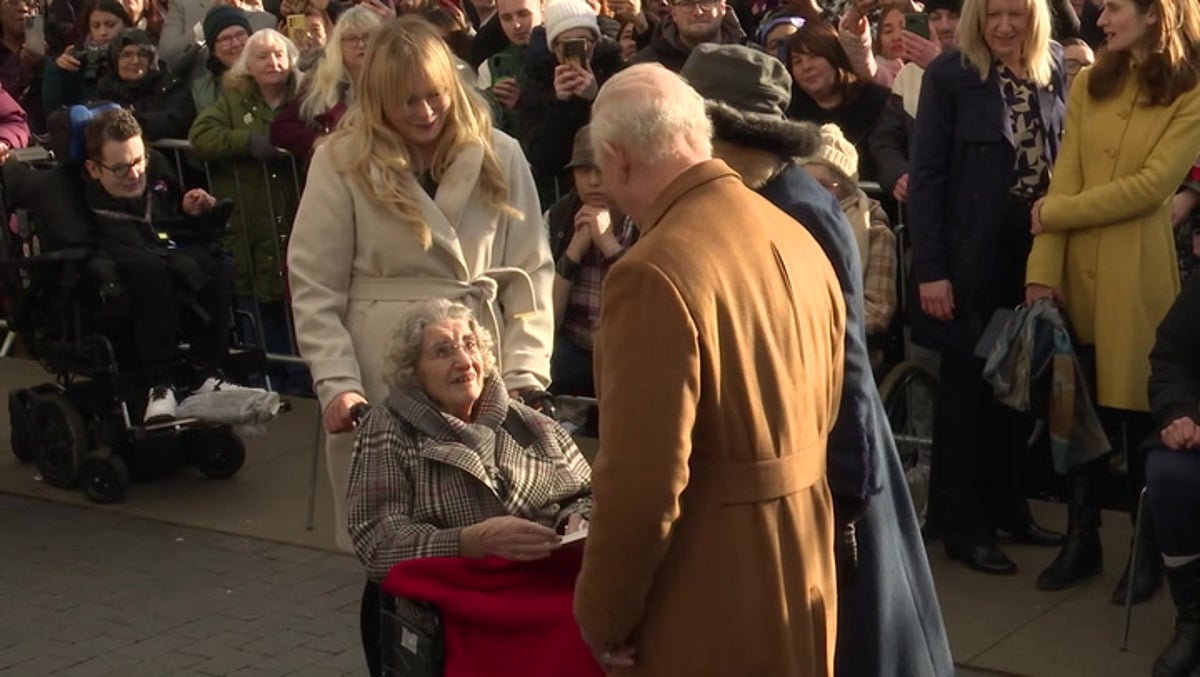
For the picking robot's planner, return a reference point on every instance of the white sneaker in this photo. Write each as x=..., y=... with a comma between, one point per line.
x=161, y=405
x=216, y=384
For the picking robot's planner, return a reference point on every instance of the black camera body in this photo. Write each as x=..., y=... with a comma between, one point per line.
x=93, y=60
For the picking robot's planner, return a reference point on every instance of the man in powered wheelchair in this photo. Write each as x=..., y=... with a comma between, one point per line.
x=118, y=264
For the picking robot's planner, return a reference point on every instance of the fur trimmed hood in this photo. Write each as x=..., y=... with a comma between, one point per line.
x=788, y=138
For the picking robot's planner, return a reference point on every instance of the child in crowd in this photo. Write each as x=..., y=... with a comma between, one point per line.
x=835, y=166
x=586, y=237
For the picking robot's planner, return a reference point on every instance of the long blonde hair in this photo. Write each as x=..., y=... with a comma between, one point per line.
x=1036, y=56
x=378, y=158
x=239, y=78
x=323, y=89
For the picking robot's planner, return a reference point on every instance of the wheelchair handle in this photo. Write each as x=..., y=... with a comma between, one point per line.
x=358, y=412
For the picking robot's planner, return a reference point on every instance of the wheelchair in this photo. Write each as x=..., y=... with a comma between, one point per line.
x=78, y=429
x=907, y=385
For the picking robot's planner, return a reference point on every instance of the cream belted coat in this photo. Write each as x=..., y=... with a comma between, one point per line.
x=355, y=269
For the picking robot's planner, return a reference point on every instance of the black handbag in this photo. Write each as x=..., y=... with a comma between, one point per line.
x=411, y=639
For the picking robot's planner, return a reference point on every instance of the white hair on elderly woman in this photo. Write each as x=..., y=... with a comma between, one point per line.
x=409, y=338
x=649, y=119
x=239, y=76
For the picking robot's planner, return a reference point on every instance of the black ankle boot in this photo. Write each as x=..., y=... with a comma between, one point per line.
x=1182, y=655
x=1149, y=575
x=1080, y=557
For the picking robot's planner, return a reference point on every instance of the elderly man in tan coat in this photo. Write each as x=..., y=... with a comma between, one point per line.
x=718, y=367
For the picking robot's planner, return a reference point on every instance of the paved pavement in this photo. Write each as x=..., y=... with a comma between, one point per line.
x=86, y=592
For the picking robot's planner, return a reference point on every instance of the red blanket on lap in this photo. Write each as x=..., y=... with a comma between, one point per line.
x=502, y=618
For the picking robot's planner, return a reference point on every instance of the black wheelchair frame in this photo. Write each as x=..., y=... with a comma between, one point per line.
x=78, y=429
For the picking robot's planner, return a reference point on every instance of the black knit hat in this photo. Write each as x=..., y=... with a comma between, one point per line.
x=932, y=6
x=221, y=17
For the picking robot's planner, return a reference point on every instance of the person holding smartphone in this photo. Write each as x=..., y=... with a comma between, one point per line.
x=562, y=77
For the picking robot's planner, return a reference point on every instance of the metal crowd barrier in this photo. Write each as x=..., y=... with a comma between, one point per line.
x=279, y=214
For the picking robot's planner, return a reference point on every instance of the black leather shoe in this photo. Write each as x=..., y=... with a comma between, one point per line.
x=986, y=558
x=1032, y=533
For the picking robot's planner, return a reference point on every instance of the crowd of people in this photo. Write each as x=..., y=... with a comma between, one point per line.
x=449, y=208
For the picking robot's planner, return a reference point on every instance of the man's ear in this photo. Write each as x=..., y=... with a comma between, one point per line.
x=621, y=165
x=93, y=169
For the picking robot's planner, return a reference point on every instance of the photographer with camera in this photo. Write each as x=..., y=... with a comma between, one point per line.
x=71, y=78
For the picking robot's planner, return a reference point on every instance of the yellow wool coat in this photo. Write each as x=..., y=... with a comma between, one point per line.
x=1107, y=216
x=719, y=368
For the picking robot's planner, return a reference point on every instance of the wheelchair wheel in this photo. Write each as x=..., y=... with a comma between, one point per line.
x=104, y=476
x=216, y=452
x=61, y=439
x=910, y=398
x=19, y=424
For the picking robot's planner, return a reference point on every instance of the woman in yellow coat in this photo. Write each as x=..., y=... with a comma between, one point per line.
x=1103, y=244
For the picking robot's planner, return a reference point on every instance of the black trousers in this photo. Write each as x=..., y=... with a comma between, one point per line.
x=159, y=309
x=370, y=627
x=979, y=445
x=1173, y=497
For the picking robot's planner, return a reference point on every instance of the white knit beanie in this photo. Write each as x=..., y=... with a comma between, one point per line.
x=563, y=15
x=836, y=153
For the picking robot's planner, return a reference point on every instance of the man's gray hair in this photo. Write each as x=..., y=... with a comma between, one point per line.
x=409, y=339
x=633, y=113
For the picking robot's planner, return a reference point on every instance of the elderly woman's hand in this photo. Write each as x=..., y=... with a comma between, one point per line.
x=509, y=537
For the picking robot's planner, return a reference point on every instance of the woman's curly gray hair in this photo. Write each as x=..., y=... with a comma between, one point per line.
x=409, y=338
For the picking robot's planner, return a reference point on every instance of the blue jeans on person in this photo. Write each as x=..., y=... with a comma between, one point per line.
x=571, y=369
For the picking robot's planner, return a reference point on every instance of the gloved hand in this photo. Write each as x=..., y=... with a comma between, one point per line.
x=262, y=149
x=845, y=554
x=847, y=511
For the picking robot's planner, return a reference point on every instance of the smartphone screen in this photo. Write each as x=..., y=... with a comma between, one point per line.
x=502, y=67
x=917, y=23
x=297, y=28
x=575, y=52
x=35, y=35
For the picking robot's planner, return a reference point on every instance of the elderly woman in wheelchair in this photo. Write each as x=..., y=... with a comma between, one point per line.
x=451, y=466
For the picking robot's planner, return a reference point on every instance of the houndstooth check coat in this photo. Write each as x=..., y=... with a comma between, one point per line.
x=419, y=476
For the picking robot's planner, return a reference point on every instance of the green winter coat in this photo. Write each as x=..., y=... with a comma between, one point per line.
x=265, y=192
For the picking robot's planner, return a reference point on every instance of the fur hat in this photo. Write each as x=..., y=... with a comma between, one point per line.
x=836, y=152
x=563, y=15
x=221, y=17
x=747, y=93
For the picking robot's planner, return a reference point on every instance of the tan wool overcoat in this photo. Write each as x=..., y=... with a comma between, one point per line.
x=719, y=367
